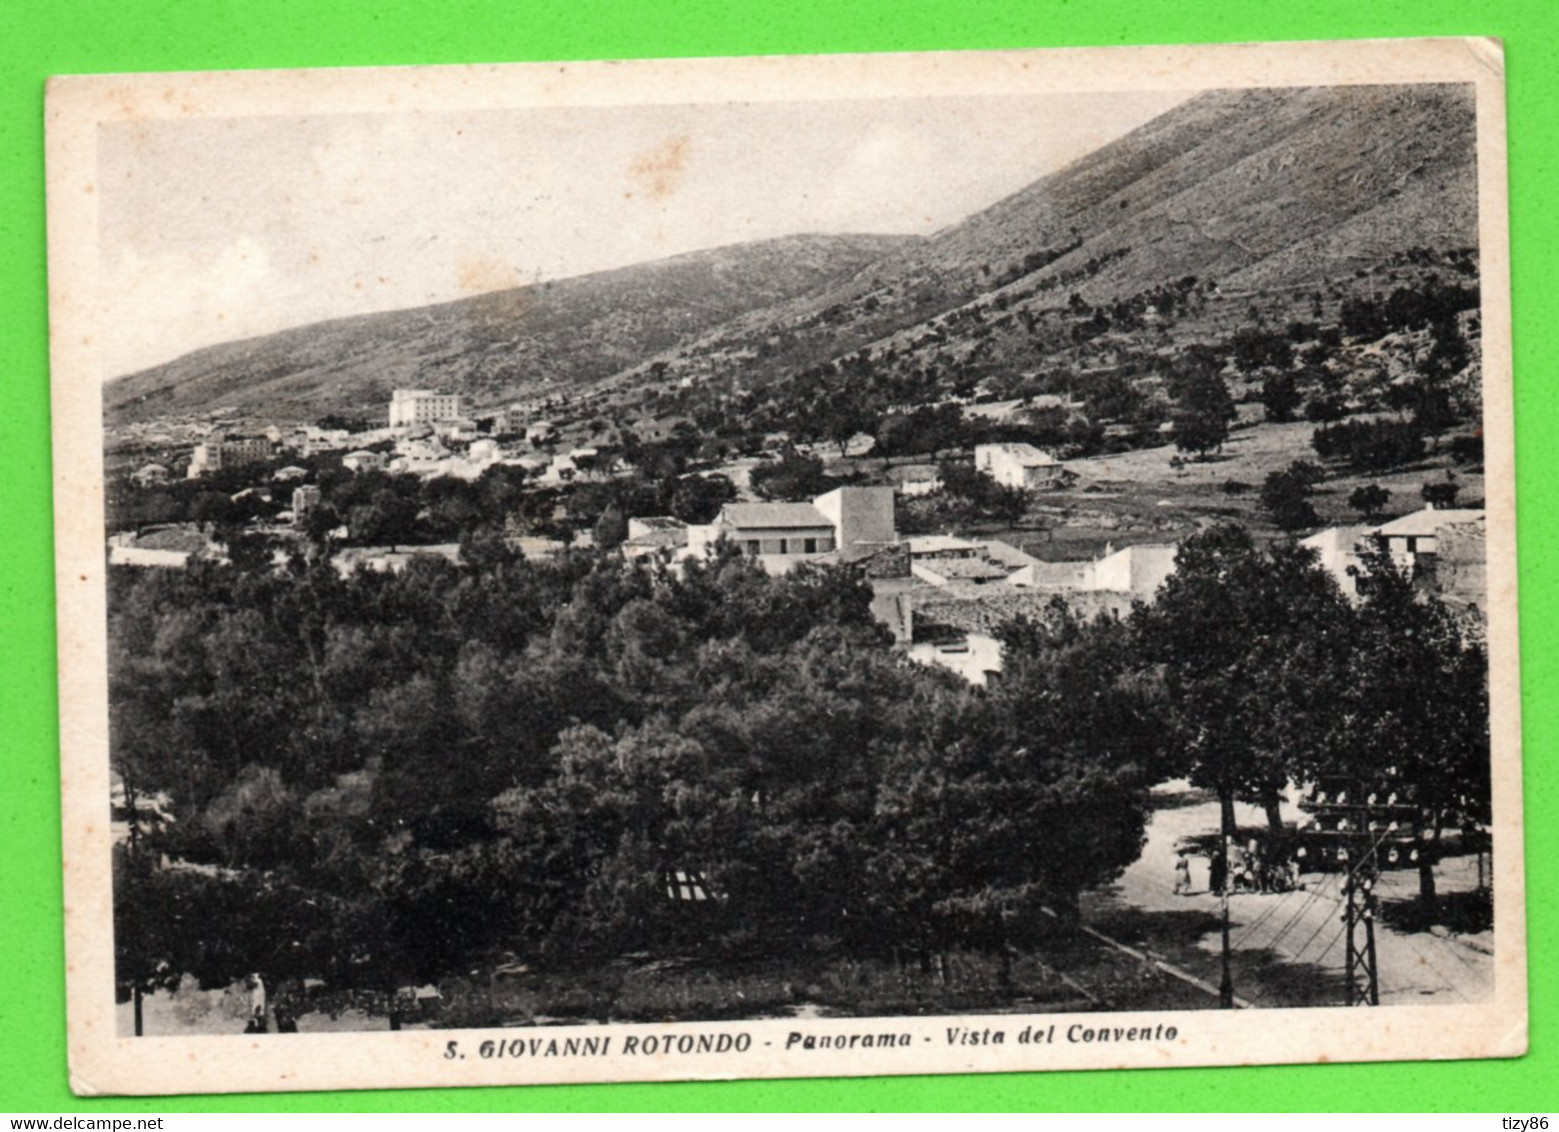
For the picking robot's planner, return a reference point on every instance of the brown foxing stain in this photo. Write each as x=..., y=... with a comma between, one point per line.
x=479, y=275
x=657, y=172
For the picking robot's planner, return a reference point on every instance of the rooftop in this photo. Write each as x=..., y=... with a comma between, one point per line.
x=1025, y=454
x=1428, y=521
x=941, y=544
x=761, y=515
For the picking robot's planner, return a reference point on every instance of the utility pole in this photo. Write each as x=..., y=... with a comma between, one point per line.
x=1361, y=972
x=1355, y=824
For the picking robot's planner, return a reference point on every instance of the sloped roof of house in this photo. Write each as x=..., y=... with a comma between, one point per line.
x=1428, y=521
x=768, y=515
x=661, y=522
x=1025, y=454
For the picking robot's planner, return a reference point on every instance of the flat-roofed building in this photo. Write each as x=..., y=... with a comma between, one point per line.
x=228, y=452
x=424, y=406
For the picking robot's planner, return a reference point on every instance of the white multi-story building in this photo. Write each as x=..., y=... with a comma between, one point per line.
x=218, y=453
x=424, y=406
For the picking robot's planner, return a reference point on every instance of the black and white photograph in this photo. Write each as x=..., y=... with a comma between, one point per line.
x=786, y=567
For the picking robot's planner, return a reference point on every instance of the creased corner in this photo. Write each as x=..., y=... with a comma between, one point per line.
x=1489, y=52
x=1516, y=1041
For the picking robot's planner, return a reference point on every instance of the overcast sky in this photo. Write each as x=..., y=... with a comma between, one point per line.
x=218, y=229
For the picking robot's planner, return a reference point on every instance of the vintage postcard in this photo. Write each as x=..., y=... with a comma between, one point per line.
x=786, y=566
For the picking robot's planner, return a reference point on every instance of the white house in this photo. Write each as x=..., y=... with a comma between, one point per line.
x=782, y=534
x=1136, y=570
x=1017, y=465
x=1414, y=536
x=1337, y=552
x=484, y=451
x=363, y=461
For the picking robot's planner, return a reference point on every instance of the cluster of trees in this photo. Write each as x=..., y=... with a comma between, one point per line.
x=966, y=497
x=380, y=779
x=1271, y=676
x=383, y=779
x=1370, y=445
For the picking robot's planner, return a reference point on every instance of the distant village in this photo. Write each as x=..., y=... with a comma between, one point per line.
x=942, y=595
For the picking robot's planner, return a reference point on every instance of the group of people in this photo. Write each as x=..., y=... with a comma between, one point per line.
x=1243, y=868
x=256, y=1019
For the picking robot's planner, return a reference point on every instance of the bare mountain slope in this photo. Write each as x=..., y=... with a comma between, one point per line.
x=1259, y=190
x=505, y=344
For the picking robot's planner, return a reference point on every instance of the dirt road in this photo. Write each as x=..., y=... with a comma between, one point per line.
x=1288, y=948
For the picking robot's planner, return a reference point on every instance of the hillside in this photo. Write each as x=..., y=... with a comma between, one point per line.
x=511, y=343
x=1278, y=203
x=1270, y=193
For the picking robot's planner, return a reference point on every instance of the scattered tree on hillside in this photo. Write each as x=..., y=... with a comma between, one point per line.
x=1280, y=396
x=1443, y=493
x=1369, y=501
x=610, y=529
x=1202, y=414
x=792, y=476
x=1285, y=497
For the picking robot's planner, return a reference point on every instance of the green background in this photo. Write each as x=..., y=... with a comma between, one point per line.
x=40, y=38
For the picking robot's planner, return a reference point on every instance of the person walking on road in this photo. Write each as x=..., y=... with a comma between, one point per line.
x=1182, y=875
x=256, y=1023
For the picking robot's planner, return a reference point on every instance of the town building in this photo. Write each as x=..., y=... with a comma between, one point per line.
x=363, y=461
x=150, y=475
x=1442, y=550
x=511, y=420
x=483, y=451
x=304, y=500
x=423, y=406
x=1337, y=552
x=650, y=535
x=228, y=452
x=456, y=428
x=1413, y=540
x=1135, y=570
x=782, y=534
x=1018, y=465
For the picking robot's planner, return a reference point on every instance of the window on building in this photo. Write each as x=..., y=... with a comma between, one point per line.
x=809, y=546
x=753, y=546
